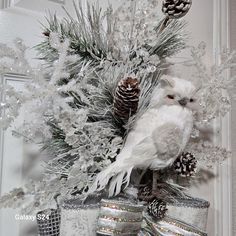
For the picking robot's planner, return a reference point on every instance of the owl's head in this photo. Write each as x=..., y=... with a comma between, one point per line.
x=175, y=91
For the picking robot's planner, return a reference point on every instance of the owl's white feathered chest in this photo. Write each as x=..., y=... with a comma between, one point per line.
x=153, y=118
x=165, y=114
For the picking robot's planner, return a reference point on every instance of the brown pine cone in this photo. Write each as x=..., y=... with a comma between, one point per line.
x=126, y=98
x=176, y=9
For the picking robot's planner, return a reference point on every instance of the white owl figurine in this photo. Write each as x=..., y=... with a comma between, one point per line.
x=157, y=137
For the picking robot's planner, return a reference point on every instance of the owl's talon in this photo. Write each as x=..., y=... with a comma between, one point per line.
x=147, y=198
x=155, y=194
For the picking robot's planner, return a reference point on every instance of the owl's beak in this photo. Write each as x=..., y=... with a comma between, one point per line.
x=183, y=102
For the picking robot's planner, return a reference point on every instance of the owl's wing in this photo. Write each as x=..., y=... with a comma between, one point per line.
x=142, y=152
x=168, y=140
x=161, y=147
x=155, y=151
x=141, y=156
x=119, y=171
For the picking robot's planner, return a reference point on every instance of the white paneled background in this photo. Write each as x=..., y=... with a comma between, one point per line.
x=232, y=12
x=11, y=156
x=207, y=21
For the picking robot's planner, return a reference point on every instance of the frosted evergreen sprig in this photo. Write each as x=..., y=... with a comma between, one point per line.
x=73, y=105
x=88, y=38
x=92, y=41
x=170, y=41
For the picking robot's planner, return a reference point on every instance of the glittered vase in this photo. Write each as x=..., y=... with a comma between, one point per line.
x=119, y=217
x=78, y=219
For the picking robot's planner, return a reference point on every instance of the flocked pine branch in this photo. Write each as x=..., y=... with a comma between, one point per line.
x=75, y=105
x=88, y=38
x=98, y=36
x=138, y=26
x=169, y=41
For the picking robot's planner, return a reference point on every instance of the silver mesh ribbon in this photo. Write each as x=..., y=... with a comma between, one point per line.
x=48, y=222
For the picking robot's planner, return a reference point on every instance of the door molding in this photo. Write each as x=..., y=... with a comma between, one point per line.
x=8, y=178
x=223, y=183
x=5, y=78
x=5, y=3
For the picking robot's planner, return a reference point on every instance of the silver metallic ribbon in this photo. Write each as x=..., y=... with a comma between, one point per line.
x=185, y=217
x=168, y=227
x=119, y=217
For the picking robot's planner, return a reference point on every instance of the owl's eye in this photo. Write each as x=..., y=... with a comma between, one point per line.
x=192, y=100
x=171, y=96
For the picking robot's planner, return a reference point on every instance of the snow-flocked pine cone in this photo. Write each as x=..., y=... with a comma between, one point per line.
x=157, y=209
x=126, y=98
x=185, y=165
x=176, y=9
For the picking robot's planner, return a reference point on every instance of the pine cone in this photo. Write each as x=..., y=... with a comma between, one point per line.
x=157, y=209
x=185, y=165
x=126, y=98
x=176, y=9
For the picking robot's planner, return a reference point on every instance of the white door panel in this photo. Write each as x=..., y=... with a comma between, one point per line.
x=11, y=162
